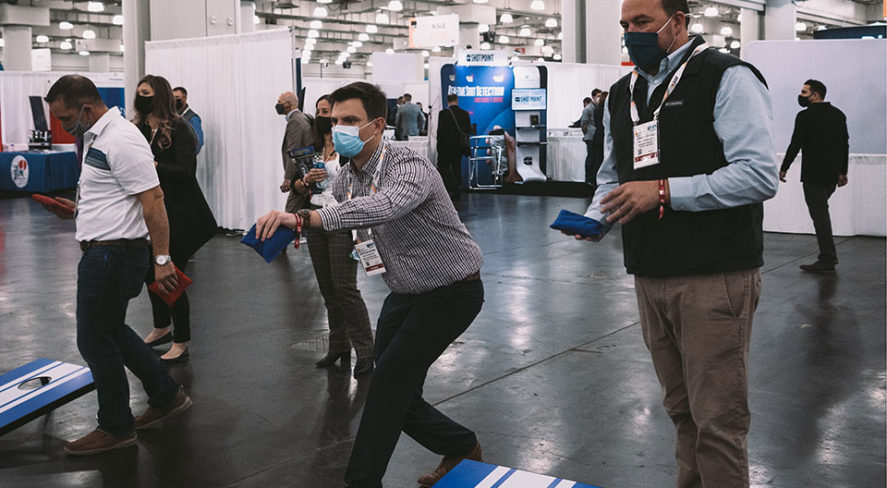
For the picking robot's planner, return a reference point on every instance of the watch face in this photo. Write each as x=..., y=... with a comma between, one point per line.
x=161, y=260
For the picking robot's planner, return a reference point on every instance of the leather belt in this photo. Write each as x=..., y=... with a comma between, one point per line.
x=84, y=245
x=472, y=277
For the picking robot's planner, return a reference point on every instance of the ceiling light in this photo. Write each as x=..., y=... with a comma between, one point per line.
x=735, y=45
x=425, y=65
x=697, y=28
x=539, y=42
x=506, y=18
x=503, y=39
x=485, y=45
x=66, y=45
x=313, y=33
x=389, y=51
x=711, y=12
x=395, y=6
x=324, y=1
x=345, y=54
x=800, y=27
x=95, y=6
x=525, y=32
x=797, y=38
x=320, y=12
x=357, y=44
x=370, y=64
x=352, y=49
x=42, y=39
x=560, y=36
x=310, y=41
x=89, y=34
x=256, y=20
x=540, y=60
x=726, y=31
x=537, y=5
x=121, y=47
x=557, y=57
x=435, y=49
x=821, y=28
x=117, y=20
x=724, y=50
x=551, y=23
x=425, y=54
x=382, y=18
x=84, y=53
x=66, y=25
x=372, y=29
x=316, y=24
x=483, y=28
x=363, y=37
x=339, y=61
x=481, y=1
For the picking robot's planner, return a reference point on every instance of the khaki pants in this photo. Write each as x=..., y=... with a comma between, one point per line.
x=697, y=329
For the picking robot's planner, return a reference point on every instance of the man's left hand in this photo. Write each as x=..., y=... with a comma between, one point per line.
x=842, y=180
x=631, y=199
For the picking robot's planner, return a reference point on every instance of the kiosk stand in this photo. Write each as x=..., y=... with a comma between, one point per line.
x=529, y=105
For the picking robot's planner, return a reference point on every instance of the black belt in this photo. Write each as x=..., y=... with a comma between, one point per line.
x=84, y=245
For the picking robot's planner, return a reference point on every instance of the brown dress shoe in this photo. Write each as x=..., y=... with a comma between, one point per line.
x=98, y=441
x=448, y=463
x=153, y=417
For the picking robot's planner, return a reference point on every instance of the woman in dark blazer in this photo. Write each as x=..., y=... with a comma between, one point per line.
x=191, y=223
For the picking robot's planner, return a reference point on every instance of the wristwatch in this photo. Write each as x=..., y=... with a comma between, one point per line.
x=162, y=259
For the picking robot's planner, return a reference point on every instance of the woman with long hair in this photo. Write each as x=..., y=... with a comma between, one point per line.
x=191, y=223
x=330, y=252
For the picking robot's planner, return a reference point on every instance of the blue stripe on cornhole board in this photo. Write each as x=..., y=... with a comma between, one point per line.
x=504, y=478
x=43, y=403
x=25, y=370
x=466, y=475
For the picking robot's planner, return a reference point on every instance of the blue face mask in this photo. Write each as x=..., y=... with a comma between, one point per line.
x=643, y=48
x=78, y=128
x=346, y=140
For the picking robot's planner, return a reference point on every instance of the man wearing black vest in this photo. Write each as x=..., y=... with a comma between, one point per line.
x=689, y=161
x=821, y=134
x=451, y=123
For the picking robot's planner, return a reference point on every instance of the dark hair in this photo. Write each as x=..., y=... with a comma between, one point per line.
x=595, y=92
x=602, y=99
x=181, y=89
x=673, y=6
x=371, y=96
x=164, y=108
x=816, y=86
x=74, y=91
x=586, y=100
x=452, y=97
x=407, y=97
x=318, y=137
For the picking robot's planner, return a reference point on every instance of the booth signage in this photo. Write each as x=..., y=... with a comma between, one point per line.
x=435, y=30
x=19, y=171
x=528, y=99
x=483, y=58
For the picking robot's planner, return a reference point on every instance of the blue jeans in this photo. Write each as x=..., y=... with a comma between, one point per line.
x=107, y=278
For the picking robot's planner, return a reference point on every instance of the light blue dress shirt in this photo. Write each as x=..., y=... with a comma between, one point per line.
x=743, y=121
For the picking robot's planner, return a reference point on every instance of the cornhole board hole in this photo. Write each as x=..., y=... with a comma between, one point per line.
x=38, y=388
x=472, y=474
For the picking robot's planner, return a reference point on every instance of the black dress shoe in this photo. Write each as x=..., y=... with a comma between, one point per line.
x=819, y=267
x=331, y=358
x=162, y=340
x=363, y=366
x=178, y=359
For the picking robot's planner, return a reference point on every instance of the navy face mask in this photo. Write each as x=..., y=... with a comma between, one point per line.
x=643, y=48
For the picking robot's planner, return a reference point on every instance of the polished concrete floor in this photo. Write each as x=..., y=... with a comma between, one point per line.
x=553, y=375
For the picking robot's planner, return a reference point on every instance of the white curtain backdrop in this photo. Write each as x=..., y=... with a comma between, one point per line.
x=15, y=109
x=569, y=83
x=233, y=83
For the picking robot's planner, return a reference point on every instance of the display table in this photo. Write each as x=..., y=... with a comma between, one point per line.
x=859, y=208
x=38, y=171
x=566, y=155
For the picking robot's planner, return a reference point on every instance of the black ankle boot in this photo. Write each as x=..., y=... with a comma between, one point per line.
x=363, y=366
x=331, y=358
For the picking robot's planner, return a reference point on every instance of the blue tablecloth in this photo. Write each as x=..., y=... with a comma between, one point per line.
x=38, y=171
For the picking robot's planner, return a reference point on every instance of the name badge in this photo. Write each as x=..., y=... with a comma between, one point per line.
x=646, y=144
x=369, y=257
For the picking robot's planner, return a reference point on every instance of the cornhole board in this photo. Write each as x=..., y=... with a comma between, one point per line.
x=22, y=400
x=472, y=474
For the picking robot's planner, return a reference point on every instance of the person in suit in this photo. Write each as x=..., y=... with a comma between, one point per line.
x=451, y=123
x=190, y=116
x=409, y=118
x=298, y=134
x=597, y=142
x=191, y=222
x=423, y=131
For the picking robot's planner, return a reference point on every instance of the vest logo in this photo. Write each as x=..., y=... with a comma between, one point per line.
x=674, y=103
x=19, y=171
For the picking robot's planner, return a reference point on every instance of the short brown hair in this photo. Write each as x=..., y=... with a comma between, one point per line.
x=74, y=91
x=452, y=97
x=371, y=96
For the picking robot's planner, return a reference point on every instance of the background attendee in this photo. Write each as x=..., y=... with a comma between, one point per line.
x=578, y=122
x=588, y=130
x=409, y=118
x=597, y=142
x=452, y=122
x=298, y=134
x=821, y=136
x=184, y=110
x=119, y=205
x=397, y=200
x=334, y=268
x=691, y=223
x=423, y=131
x=191, y=222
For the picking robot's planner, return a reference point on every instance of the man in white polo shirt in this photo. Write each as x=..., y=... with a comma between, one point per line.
x=119, y=204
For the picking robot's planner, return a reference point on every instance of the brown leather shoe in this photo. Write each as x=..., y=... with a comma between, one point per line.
x=98, y=441
x=448, y=463
x=153, y=417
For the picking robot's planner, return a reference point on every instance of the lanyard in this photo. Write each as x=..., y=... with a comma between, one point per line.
x=671, y=86
x=374, y=186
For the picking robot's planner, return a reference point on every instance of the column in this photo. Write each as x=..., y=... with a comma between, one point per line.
x=603, y=34
x=779, y=20
x=749, y=28
x=17, y=48
x=247, y=12
x=573, y=43
x=136, y=30
x=469, y=35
